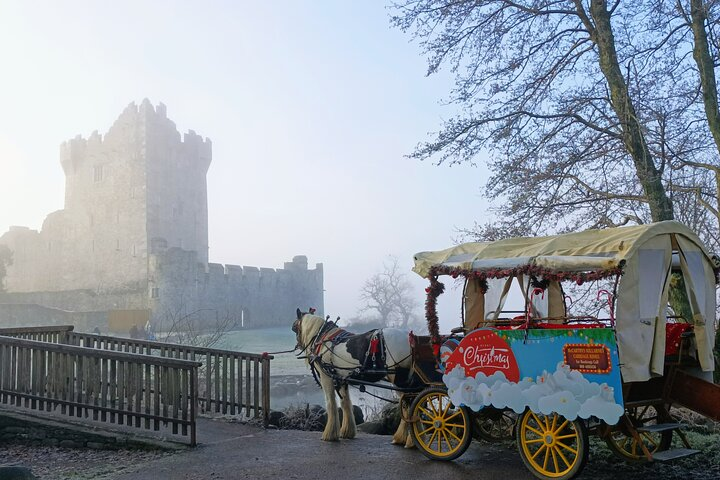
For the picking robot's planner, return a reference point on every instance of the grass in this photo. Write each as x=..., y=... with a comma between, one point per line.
x=603, y=464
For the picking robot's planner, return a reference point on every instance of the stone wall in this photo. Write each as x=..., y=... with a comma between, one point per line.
x=250, y=297
x=24, y=314
x=133, y=234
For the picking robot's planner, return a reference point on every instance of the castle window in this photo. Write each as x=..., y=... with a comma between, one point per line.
x=97, y=173
x=155, y=292
x=117, y=244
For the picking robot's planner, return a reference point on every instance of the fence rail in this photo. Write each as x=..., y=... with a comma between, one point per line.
x=229, y=382
x=101, y=385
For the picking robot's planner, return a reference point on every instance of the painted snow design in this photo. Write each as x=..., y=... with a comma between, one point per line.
x=564, y=391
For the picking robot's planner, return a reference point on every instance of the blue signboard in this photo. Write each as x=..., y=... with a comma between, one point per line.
x=570, y=371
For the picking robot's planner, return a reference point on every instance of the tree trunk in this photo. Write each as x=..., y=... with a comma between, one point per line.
x=706, y=71
x=633, y=138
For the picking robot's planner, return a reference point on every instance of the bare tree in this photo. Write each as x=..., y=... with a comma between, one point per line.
x=198, y=328
x=549, y=90
x=388, y=295
x=595, y=113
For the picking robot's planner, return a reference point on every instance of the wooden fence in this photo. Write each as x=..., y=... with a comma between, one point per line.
x=229, y=382
x=100, y=385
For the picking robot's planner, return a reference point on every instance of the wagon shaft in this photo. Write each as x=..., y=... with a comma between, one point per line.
x=696, y=394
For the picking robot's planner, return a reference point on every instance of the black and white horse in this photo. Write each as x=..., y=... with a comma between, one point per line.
x=337, y=356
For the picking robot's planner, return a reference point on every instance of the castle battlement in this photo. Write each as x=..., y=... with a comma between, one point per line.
x=135, y=222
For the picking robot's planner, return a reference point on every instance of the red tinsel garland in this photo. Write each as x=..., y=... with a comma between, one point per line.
x=436, y=288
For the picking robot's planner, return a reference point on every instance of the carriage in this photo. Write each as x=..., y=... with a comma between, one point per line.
x=549, y=375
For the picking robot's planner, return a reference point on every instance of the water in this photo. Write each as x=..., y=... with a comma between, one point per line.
x=291, y=381
x=268, y=340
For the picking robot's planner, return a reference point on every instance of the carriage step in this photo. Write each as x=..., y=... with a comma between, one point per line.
x=673, y=454
x=660, y=427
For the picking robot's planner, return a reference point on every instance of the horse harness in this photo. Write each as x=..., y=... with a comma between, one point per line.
x=330, y=336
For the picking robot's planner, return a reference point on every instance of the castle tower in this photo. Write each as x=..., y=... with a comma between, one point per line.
x=138, y=190
x=133, y=237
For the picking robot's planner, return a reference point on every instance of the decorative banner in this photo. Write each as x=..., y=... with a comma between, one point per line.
x=587, y=358
x=573, y=372
x=484, y=351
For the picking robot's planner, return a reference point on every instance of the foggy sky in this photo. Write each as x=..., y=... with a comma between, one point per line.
x=311, y=107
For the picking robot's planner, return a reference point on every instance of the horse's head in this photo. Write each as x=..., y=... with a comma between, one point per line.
x=306, y=327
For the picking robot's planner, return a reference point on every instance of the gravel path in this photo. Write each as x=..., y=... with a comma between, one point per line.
x=56, y=463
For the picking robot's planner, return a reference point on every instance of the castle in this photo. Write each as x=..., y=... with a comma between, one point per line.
x=132, y=241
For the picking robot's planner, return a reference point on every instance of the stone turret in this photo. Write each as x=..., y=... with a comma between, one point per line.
x=133, y=233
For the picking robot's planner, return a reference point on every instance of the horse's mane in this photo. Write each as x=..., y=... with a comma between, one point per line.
x=310, y=326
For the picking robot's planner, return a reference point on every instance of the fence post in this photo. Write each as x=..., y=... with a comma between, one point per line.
x=193, y=405
x=266, y=390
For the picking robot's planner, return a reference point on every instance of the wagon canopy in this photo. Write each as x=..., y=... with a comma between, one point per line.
x=646, y=254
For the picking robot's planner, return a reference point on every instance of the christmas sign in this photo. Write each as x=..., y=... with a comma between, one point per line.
x=483, y=351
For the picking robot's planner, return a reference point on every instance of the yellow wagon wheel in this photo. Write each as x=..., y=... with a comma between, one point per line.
x=441, y=430
x=623, y=444
x=551, y=446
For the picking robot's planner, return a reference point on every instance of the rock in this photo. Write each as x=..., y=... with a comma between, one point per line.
x=357, y=413
x=71, y=444
x=374, y=428
x=16, y=473
x=390, y=418
x=274, y=417
x=359, y=417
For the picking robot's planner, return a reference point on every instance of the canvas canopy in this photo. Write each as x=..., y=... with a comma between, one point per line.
x=646, y=254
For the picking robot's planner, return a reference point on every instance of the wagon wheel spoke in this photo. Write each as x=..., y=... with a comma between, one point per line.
x=537, y=420
x=649, y=439
x=454, y=436
x=542, y=447
x=535, y=440
x=560, y=428
x=426, y=412
x=554, y=459
x=436, y=404
x=445, y=410
x=547, y=457
x=565, y=460
x=453, y=416
x=432, y=437
x=431, y=427
x=447, y=440
x=567, y=447
x=536, y=432
x=459, y=425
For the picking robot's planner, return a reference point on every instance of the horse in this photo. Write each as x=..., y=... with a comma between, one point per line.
x=337, y=356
